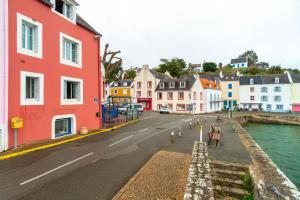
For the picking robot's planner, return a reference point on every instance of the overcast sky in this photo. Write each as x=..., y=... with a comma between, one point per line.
x=197, y=30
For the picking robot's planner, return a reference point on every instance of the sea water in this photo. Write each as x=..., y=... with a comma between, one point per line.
x=282, y=144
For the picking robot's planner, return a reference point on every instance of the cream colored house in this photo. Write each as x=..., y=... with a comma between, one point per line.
x=230, y=90
x=145, y=83
x=295, y=91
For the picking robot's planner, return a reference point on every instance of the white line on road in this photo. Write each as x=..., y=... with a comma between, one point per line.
x=145, y=129
x=146, y=117
x=57, y=168
x=120, y=141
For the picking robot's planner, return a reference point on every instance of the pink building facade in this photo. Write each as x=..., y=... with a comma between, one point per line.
x=53, y=81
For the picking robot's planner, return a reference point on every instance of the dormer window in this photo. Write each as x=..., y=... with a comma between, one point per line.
x=125, y=84
x=276, y=80
x=161, y=85
x=172, y=85
x=182, y=84
x=251, y=81
x=65, y=7
x=116, y=84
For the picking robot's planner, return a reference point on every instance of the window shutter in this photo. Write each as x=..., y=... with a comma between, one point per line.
x=65, y=89
x=35, y=39
x=36, y=87
x=77, y=90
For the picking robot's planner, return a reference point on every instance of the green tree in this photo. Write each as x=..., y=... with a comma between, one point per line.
x=175, y=66
x=228, y=69
x=275, y=70
x=130, y=73
x=251, y=55
x=254, y=71
x=210, y=67
x=295, y=71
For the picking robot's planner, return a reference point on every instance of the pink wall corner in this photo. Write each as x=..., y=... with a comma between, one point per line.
x=2, y=61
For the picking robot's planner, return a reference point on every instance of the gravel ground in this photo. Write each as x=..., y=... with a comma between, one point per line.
x=162, y=177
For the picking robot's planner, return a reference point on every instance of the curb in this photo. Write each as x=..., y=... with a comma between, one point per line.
x=17, y=154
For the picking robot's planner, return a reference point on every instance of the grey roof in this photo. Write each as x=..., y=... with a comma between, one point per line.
x=245, y=80
x=79, y=20
x=230, y=77
x=238, y=60
x=159, y=75
x=121, y=83
x=283, y=79
x=270, y=79
x=295, y=78
x=210, y=77
x=189, y=82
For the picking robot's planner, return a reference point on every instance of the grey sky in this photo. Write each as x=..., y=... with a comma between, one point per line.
x=197, y=30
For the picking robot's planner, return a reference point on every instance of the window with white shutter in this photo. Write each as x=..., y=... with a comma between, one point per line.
x=29, y=36
x=71, y=91
x=71, y=51
x=32, y=88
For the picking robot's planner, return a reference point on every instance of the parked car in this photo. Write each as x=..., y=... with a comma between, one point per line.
x=164, y=109
x=122, y=108
x=135, y=106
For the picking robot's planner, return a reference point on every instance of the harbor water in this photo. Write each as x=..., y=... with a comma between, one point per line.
x=282, y=144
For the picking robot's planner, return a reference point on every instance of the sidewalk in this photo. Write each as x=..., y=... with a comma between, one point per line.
x=162, y=177
x=45, y=144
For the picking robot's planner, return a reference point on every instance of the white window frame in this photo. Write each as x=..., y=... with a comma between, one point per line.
x=62, y=117
x=125, y=84
x=124, y=91
x=182, y=84
x=63, y=36
x=25, y=101
x=63, y=14
x=172, y=84
x=251, y=81
x=64, y=101
x=161, y=85
x=34, y=53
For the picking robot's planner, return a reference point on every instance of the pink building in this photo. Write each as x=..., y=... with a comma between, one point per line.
x=53, y=79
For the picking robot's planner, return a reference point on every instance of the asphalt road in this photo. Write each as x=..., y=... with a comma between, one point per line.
x=98, y=166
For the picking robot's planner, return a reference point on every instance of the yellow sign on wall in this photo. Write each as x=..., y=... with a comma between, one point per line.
x=17, y=122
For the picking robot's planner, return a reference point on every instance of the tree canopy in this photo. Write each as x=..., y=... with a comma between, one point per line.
x=209, y=67
x=275, y=70
x=251, y=55
x=130, y=73
x=175, y=66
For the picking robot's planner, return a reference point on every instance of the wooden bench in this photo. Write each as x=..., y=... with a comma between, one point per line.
x=214, y=134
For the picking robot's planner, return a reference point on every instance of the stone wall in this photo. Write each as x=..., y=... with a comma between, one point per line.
x=265, y=119
x=199, y=184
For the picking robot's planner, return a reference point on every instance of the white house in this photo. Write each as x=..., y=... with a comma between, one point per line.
x=182, y=95
x=145, y=83
x=267, y=93
x=239, y=62
x=190, y=95
x=212, y=95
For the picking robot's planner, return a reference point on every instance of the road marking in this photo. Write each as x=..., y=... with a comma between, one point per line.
x=57, y=168
x=120, y=141
x=146, y=117
x=145, y=129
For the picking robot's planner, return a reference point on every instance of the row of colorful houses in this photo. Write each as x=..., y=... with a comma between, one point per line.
x=50, y=75
x=207, y=93
x=190, y=94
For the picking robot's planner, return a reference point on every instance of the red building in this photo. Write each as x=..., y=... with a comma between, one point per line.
x=54, y=71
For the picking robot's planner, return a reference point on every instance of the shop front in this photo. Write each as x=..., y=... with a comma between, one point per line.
x=147, y=103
